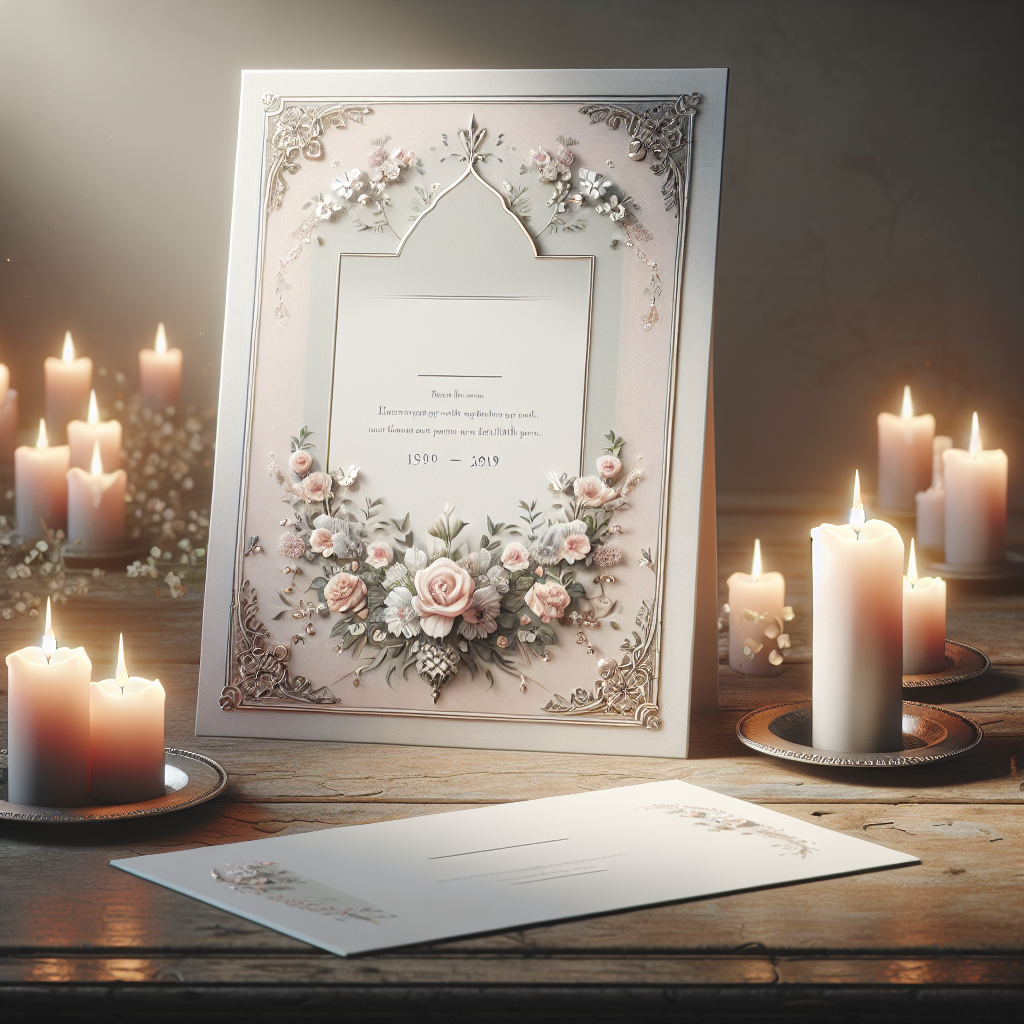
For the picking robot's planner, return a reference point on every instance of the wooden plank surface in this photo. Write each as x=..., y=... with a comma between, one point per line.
x=66, y=916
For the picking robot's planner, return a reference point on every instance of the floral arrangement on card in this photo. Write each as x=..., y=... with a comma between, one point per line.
x=446, y=605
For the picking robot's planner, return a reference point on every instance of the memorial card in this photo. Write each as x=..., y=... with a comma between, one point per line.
x=464, y=483
x=391, y=883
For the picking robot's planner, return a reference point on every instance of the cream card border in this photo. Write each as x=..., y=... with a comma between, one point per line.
x=686, y=531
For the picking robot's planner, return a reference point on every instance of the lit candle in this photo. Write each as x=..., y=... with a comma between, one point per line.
x=857, y=673
x=126, y=741
x=904, y=455
x=757, y=617
x=40, y=486
x=975, y=503
x=95, y=506
x=160, y=372
x=8, y=415
x=82, y=437
x=931, y=504
x=924, y=621
x=48, y=724
x=68, y=382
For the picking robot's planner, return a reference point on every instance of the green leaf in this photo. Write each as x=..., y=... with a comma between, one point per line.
x=339, y=628
x=614, y=624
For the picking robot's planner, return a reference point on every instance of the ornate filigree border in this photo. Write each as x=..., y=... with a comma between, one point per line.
x=297, y=132
x=665, y=132
x=626, y=688
x=261, y=678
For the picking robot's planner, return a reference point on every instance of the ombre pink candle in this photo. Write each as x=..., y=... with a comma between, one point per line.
x=160, y=372
x=68, y=383
x=96, y=519
x=48, y=724
x=82, y=435
x=41, y=486
x=904, y=455
x=126, y=738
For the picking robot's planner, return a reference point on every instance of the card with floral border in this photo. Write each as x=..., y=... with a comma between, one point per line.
x=464, y=481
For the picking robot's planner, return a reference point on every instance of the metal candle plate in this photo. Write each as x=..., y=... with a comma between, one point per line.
x=962, y=663
x=189, y=779
x=929, y=734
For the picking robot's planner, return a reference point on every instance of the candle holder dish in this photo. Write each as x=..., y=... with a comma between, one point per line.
x=114, y=556
x=189, y=779
x=929, y=734
x=962, y=663
x=1011, y=568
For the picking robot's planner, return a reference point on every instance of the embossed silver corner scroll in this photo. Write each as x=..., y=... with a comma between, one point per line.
x=296, y=133
x=260, y=677
x=660, y=130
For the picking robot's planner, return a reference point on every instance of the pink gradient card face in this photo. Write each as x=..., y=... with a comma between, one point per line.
x=461, y=454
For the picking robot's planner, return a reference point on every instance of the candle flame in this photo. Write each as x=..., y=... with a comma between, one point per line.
x=857, y=512
x=975, y=437
x=908, y=404
x=49, y=643
x=68, y=355
x=121, y=675
x=97, y=460
x=94, y=411
x=43, y=441
x=912, y=565
x=755, y=568
x=161, y=339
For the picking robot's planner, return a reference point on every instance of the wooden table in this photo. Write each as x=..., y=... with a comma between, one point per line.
x=945, y=938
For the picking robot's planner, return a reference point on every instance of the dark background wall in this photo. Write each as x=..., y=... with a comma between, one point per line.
x=871, y=214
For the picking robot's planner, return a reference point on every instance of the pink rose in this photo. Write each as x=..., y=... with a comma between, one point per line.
x=345, y=592
x=609, y=467
x=443, y=592
x=592, y=492
x=317, y=487
x=515, y=557
x=566, y=157
x=321, y=542
x=575, y=547
x=540, y=157
x=379, y=554
x=548, y=600
x=300, y=461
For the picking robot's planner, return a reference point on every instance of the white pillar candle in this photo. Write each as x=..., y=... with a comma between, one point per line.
x=857, y=673
x=975, y=503
x=931, y=504
x=83, y=435
x=924, y=621
x=160, y=372
x=126, y=740
x=95, y=506
x=41, y=486
x=8, y=416
x=757, y=617
x=48, y=724
x=68, y=382
x=904, y=455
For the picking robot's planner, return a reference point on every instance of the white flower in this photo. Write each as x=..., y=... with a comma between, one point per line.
x=349, y=184
x=593, y=185
x=612, y=207
x=399, y=614
x=174, y=582
x=348, y=478
x=397, y=575
x=560, y=483
x=415, y=559
x=480, y=618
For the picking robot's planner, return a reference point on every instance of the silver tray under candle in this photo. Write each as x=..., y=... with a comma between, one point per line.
x=1010, y=569
x=962, y=663
x=189, y=779
x=929, y=734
